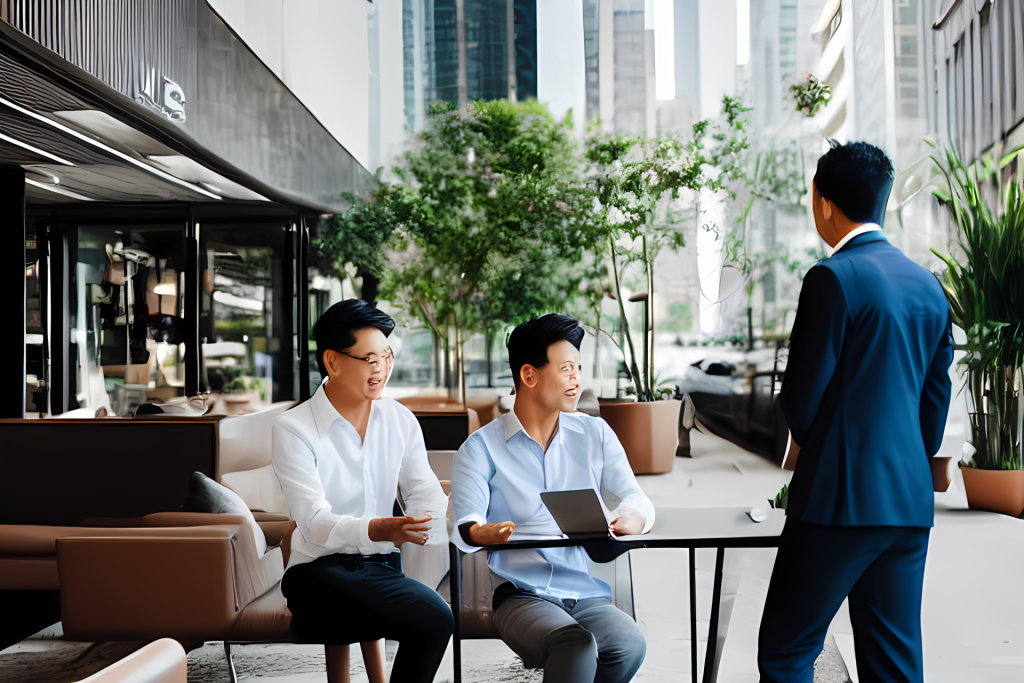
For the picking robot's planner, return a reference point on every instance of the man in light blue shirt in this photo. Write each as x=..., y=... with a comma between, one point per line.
x=548, y=609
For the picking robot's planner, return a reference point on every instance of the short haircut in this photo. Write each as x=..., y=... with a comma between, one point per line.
x=857, y=178
x=335, y=327
x=528, y=344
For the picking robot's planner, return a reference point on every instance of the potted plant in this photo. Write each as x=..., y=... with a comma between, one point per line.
x=645, y=189
x=986, y=296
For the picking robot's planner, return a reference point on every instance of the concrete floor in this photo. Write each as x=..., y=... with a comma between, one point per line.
x=972, y=614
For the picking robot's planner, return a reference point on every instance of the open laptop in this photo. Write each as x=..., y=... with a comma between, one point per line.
x=578, y=513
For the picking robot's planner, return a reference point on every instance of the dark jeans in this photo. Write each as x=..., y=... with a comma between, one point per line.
x=343, y=599
x=881, y=569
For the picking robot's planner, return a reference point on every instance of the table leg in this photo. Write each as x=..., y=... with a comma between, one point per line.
x=693, y=615
x=455, y=590
x=716, y=603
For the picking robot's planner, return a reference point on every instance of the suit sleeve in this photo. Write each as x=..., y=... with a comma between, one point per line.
x=937, y=391
x=817, y=339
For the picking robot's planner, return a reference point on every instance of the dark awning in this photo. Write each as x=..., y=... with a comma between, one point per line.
x=117, y=136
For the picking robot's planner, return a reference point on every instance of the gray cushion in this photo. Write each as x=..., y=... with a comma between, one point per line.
x=206, y=495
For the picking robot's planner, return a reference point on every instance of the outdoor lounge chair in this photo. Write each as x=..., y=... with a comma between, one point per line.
x=193, y=584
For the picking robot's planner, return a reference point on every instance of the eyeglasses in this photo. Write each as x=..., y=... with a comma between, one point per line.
x=373, y=359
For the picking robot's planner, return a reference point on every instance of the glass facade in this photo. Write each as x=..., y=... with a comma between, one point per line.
x=247, y=315
x=787, y=38
x=124, y=311
x=526, y=48
x=591, y=61
x=458, y=51
x=486, y=49
x=35, y=328
x=907, y=44
x=445, y=86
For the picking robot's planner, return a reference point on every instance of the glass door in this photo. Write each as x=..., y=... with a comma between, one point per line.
x=125, y=344
x=247, y=318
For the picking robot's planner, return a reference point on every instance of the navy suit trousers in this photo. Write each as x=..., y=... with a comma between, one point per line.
x=881, y=569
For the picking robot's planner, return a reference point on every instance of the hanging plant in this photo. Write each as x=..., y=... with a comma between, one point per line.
x=810, y=94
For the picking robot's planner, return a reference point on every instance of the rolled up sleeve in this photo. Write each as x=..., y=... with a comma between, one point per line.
x=619, y=480
x=295, y=466
x=472, y=470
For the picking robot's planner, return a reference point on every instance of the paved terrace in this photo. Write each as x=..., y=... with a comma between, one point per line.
x=973, y=602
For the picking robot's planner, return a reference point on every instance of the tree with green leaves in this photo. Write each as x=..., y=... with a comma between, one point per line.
x=645, y=191
x=487, y=223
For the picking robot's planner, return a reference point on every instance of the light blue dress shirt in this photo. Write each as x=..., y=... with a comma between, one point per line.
x=499, y=474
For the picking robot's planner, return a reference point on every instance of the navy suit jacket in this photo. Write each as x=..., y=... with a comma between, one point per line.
x=867, y=388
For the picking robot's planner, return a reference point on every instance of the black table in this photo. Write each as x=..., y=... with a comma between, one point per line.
x=692, y=528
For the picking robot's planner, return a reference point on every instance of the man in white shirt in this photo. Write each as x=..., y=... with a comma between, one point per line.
x=340, y=457
x=548, y=609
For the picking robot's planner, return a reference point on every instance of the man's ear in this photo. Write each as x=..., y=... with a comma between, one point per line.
x=826, y=209
x=528, y=376
x=332, y=361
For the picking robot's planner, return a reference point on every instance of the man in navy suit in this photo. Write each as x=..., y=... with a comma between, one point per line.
x=865, y=396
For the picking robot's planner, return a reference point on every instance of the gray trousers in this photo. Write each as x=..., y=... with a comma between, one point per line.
x=594, y=642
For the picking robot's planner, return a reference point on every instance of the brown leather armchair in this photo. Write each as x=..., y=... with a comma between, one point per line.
x=192, y=584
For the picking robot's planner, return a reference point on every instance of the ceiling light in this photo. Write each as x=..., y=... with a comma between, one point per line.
x=106, y=148
x=36, y=150
x=58, y=190
x=165, y=289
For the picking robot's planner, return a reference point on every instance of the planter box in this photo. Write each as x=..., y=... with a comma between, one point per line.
x=649, y=432
x=994, y=490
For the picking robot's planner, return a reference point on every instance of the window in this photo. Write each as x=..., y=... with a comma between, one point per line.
x=247, y=316
x=125, y=345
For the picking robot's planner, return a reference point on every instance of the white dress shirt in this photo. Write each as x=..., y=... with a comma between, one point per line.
x=336, y=482
x=499, y=474
x=856, y=232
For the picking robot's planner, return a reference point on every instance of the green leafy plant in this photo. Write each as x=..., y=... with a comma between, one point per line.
x=240, y=385
x=731, y=340
x=781, y=499
x=486, y=224
x=644, y=192
x=985, y=290
x=810, y=95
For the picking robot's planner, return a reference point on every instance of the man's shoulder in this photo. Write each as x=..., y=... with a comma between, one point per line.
x=865, y=264
x=477, y=441
x=582, y=423
x=298, y=418
x=397, y=411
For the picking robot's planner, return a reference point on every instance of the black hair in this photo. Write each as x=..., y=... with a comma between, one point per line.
x=335, y=327
x=857, y=178
x=528, y=344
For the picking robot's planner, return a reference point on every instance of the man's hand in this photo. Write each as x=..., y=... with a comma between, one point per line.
x=792, y=452
x=398, y=530
x=628, y=523
x=490, y=534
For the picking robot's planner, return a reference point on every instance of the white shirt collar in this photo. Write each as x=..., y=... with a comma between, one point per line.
x=324, y=412
x=510, y=425
x=856, y=232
